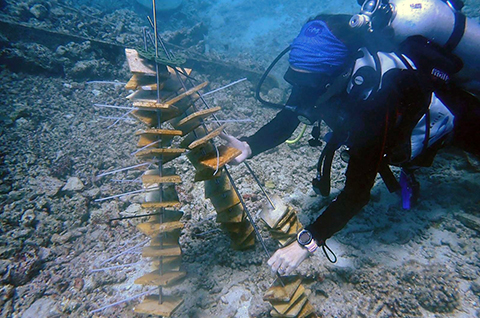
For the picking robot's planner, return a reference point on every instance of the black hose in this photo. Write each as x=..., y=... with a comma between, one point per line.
x=264, y=76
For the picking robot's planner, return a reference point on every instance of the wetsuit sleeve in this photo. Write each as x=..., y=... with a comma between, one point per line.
x=360, y=177
x=368, y=135
x=276, y=131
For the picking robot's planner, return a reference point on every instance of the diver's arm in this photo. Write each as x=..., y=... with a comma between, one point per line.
x=365, y=157
x=277, y=131
x=271, y=135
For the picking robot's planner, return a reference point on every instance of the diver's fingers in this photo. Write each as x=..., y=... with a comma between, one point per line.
x=287, y=259
x=289, y=270
x=240, y=145
x=274, y=262
x=228, y=138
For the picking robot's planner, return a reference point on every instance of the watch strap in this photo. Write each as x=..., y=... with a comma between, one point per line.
x=312, y=246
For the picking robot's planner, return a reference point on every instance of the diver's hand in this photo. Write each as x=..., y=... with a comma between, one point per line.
x=240, y=145
x=287, y=259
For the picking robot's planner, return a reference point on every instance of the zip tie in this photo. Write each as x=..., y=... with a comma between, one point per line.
x=124, y=252
x=123, y=169
x=96, y=270
x=124, y=301
x=144, y=147
x=127, y=180
x=229, y=121
x=298, y=137
x=114, y=106
x=126, y=193
x=223, y=87
x=120, y=118
x=127, y=120
x=105, y=82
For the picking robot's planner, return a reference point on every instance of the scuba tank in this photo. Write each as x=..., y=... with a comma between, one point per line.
x=438, y=21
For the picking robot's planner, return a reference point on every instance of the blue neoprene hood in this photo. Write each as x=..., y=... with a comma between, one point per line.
x=317, y=50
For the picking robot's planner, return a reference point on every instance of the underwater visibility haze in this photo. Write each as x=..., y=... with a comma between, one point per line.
x=99, y=206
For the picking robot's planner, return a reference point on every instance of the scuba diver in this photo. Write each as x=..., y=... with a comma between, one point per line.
x=394, y=105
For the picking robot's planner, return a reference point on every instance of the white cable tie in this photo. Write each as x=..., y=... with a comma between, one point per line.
x=223, y=87
x=124, y=301
x=106, y=82
x=123, y=169
x=115, y=106
x=144, y=147
x=126, y=193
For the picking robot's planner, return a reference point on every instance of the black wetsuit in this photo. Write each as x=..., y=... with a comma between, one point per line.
x=375, y=128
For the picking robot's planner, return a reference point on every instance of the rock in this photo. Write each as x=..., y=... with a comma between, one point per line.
x=43, y=307
x=48, y=185
x=92, y=193
x=28, y=218
x=6, y=293
x=73, y=184
x=475, y=287
x=61, y=239
x=4, y=268
x=473, y=161
x=78, y=283
x=133, y=209
x=27, y=266
x=7, y=251
x=469, y=221
x=39, y=11
x=84, y=68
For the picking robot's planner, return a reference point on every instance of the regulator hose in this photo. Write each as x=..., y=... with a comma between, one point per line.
x=298, y=137
x=264, y=76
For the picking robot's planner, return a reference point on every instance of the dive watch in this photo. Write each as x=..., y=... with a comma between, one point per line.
x=305, y=239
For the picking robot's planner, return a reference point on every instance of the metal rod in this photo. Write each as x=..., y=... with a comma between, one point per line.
x=252, y=221
x=106, y=82
x=126, y=120
x=249, y=216
x=144, y=33
x=132, y=217
x=248, y=120
x=113, y=267
x=123, y=117
x=159, y=124
x=259, y=184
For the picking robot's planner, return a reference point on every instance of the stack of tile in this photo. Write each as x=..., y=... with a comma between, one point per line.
x=209, y=162
x=287, y=295
x=161, y=200
x=162, y=100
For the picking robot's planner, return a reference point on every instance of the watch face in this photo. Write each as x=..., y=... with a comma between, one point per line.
x=304, y=237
